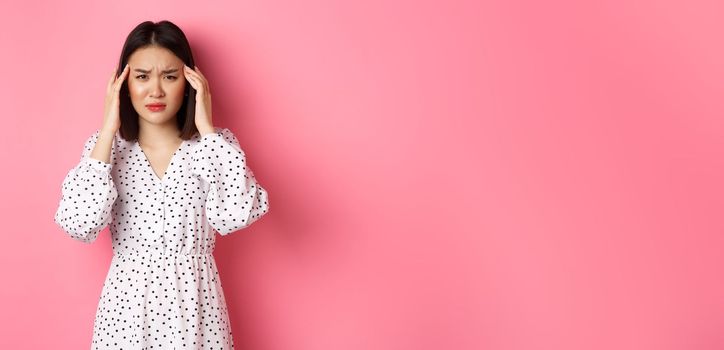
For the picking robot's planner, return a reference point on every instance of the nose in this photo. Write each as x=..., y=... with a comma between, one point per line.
x=156, y=89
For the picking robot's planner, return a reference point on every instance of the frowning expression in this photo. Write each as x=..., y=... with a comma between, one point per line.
x=156, y=77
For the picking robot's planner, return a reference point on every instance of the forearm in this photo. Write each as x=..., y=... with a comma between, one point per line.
x=102, y=149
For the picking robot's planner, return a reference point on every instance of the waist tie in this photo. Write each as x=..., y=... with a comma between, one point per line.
x=162, y=254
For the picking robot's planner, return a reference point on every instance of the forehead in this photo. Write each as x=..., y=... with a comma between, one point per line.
x=154, y=57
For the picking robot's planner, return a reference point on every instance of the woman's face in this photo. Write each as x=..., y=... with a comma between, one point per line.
x=156, y=75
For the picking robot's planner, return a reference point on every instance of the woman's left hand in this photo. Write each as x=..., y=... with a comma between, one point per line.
x=203, y=99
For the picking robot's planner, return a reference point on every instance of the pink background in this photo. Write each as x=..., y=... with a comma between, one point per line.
x=442, y=175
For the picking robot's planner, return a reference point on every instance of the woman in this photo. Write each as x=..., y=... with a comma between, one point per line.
x=164, y=179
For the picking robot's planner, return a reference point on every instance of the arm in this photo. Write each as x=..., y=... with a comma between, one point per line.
x=88, y=194
x=235, y=199
x=103, y=146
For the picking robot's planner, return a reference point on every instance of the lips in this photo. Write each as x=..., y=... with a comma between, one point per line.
x=156, y=107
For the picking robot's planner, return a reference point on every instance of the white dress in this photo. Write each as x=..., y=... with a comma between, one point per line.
x=162, y=290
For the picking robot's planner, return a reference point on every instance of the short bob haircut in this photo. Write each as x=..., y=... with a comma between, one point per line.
x=169, y=36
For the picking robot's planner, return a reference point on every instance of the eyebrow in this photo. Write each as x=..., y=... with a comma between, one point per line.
x=163, y=72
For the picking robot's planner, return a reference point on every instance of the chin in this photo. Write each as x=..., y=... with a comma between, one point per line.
x=156, y=118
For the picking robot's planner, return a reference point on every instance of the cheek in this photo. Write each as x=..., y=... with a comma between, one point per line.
x=177, y=90
x=135, y=89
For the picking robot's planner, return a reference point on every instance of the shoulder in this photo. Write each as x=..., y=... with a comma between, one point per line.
x=226, y=133
x=217, y=131
x=97, y=133
x=229, y=136
x=93, y=138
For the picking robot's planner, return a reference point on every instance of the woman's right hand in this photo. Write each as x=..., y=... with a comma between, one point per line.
x=112, y=114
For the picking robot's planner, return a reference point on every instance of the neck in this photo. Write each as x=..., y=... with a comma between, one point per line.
x=158, y=134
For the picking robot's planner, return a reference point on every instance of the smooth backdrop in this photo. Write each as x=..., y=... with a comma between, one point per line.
x=500, y=174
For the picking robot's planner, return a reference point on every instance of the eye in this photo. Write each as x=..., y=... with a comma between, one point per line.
x=174, y=77
x=142, y=75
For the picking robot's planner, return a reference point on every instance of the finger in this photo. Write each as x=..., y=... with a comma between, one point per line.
x=196, y=84
x=203, y=79
x=190, y=71
x=118, y=75
x=121, y=78
x=192, y=80
x=193, y=72
x=110, y=81
x=125, y=72
x=197, y=70
x=193, y=75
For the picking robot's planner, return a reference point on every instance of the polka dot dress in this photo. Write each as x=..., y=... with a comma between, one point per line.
x=162, y=290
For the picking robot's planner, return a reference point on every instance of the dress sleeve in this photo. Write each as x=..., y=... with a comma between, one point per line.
x=235, y=199
x=88, y=194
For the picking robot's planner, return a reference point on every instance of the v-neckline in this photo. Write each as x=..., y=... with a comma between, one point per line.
x=170, y=163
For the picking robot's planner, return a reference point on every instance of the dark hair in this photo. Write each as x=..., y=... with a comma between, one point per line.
x=169, y=36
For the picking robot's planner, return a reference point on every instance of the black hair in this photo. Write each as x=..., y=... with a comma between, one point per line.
x=169, y=36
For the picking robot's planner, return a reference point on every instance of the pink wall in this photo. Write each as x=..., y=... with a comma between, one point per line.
x=466, y=175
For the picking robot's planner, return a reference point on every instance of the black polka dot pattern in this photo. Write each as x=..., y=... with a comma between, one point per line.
x=162, y=290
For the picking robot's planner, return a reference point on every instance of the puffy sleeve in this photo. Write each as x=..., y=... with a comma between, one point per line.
x=88, y=194
x=235, y=199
